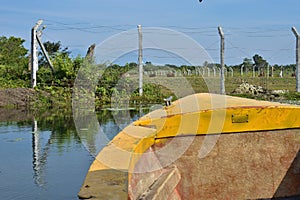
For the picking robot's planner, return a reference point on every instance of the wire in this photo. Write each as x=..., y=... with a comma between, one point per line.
x=233, y=36
x=238, y=49
x=280, y=50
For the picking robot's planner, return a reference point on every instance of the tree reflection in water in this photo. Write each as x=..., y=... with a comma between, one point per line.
x=62, y=131
x=96, y=130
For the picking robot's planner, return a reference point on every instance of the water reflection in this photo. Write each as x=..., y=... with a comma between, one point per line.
x=39, y=156
x=36, y=148
x=62, y=130
x=43, y=155
x=96, y=130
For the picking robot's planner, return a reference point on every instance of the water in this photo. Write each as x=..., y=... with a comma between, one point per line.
x=45, y=158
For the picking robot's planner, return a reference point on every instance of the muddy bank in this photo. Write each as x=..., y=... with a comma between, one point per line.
x=17, y=97
x=14, y=103
x=22, y=104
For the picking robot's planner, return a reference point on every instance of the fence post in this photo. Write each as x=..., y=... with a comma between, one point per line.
x=222, y=60
x=297, y=59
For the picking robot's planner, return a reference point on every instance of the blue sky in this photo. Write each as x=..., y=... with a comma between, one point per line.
x=250, y=26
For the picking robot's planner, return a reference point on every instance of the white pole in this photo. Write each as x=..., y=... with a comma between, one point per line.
x=34, y=55
x=242, y=70
x=268, y=71
x=140, y=61
x=222, y=60
x=253, y=71
x=297, y=58
x=231, y=70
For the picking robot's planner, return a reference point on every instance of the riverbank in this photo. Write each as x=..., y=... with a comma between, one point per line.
x=57, y=98
x=51, y=97
x=35, y=99
x=17, y=97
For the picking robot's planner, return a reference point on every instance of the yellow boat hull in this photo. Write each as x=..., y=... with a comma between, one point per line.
x=204, y=146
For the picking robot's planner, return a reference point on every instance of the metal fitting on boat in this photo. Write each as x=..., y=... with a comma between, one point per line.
x=168, y=101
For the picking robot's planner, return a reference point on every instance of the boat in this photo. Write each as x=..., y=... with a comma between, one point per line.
x=203, y=146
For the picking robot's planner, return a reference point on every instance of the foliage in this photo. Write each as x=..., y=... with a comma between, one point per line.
x=8, y=82
x=247, y=63
x=13, y=58
x=292, y=95
x=12, y=51
x=110, y=79
x=152, y=93
x=260, y=63
x=52, y=48
x=65, y=68
x=118, y=84
x=51, y=97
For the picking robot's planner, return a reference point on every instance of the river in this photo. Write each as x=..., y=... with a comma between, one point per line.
x=44, y=157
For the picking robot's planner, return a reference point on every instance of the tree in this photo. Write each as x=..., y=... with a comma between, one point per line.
x=52, y=48
x=260, y=64
x=13, y=55
x=247, y=62
x=65, y=67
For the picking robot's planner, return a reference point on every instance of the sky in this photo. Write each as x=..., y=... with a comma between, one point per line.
x=250, y=26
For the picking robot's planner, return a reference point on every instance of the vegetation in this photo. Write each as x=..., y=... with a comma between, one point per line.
x=13, y=62
x=118, y=84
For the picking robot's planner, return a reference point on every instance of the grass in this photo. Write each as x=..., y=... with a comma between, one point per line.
x=176, y=86
x=212, y=84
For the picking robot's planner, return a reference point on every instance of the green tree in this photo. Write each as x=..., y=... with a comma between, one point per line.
x=247, y=62
x=64, y=71
x=13, y=56
x=52, y=49
x=260, y=63
x=65, y=67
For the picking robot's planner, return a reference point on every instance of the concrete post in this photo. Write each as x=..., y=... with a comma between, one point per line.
x=140, y=61
x=34, y=54
x=297, y=59
x=222, y=60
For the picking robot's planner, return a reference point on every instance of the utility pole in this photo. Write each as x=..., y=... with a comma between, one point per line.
x=140, y=61
x=35, y=41
x=297, y=58
x=222, y=60
x=34, y=56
